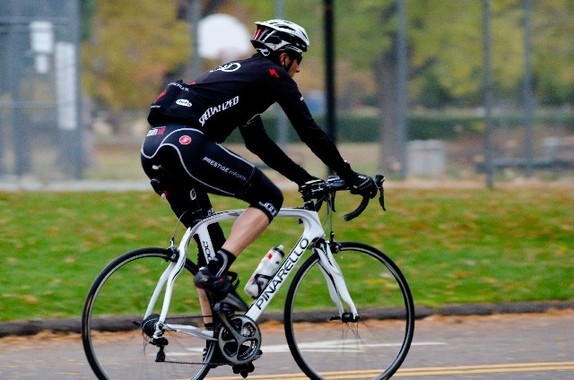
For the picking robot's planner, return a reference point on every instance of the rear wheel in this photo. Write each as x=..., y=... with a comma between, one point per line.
x=373, y=347
x=112, y=335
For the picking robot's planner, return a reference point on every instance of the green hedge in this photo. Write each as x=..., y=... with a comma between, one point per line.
x=359, y=129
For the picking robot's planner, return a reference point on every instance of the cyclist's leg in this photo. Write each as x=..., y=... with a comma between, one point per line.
x=223, y=172
x=166, y=153
x=215, y=169
x=190, y=205
x=264, y=199
x=250, y=224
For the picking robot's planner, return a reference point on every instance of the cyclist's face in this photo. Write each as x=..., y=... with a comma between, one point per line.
x=294, y=69
x=286, y=60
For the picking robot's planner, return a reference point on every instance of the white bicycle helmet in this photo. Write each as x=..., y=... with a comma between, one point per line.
x=279, y=35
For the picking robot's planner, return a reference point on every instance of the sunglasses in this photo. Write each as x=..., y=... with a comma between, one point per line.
x=298, y=58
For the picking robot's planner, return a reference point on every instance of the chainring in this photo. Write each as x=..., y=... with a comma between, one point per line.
x=240, y=340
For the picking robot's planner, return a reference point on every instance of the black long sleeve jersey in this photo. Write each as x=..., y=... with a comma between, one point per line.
x=233, y=96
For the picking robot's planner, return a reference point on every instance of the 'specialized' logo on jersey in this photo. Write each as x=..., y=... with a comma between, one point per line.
x=229, y=67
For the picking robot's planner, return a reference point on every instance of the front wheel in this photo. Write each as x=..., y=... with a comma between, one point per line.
x=373, y=347
x=113, y=339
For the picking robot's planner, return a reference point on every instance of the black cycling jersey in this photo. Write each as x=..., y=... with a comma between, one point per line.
x=233, y=96
x=183, y=156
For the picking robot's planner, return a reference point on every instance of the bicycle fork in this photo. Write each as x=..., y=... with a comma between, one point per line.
x=336, y=283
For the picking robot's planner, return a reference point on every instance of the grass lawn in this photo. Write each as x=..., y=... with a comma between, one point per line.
x=453, y=245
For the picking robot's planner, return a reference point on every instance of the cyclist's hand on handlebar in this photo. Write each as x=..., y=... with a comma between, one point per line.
x=364, y=185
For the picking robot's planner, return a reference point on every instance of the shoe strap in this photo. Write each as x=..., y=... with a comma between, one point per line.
x=233, y=279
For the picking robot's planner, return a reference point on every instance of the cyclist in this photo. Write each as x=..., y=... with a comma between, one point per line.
x=190, y=121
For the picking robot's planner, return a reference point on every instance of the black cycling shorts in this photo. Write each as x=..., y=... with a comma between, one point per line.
x=196, y=166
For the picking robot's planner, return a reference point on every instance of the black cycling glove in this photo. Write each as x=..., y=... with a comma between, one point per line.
x=363, y=185
x=358, y=183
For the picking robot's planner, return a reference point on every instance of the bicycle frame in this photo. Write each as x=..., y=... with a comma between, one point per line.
x=313, y=235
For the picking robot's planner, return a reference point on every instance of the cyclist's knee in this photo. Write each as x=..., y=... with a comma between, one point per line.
x=262, y=194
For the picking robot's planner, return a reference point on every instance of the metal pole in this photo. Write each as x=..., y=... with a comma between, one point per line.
x=4, y=107
x=402, y=88
x=330, y=116
x=282, y=137
x=68, y=95
x=487, y=88
x=279, y=9
x=527, y=90
x=78, y=150
x=20, y=127
x=194, y=17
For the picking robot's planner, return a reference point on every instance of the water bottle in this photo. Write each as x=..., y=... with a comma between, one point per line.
x=264, y=272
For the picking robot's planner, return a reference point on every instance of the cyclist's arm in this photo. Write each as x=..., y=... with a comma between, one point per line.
x=294, y=106
x=258, y=141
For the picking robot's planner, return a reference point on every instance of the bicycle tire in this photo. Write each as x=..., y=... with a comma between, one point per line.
x=372, y=348
x=114, y=344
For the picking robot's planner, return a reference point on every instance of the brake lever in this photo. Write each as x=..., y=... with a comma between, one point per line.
x=332, y=202
x=379, y=179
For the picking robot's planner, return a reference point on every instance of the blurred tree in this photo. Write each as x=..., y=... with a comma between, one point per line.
x=553, y=40
x=130, y=50
x=445, y=42
x=445, y=51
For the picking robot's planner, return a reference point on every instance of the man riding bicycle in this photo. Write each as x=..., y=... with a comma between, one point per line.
x=190, y=121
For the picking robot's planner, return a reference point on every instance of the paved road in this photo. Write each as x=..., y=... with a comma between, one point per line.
x=527, y=346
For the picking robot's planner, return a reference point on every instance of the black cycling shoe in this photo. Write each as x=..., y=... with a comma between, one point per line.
x=218, y=286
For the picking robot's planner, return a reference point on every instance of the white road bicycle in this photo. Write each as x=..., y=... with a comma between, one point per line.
x=141, y=319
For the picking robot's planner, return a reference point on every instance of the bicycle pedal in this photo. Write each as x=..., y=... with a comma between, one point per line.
x=243, y=369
